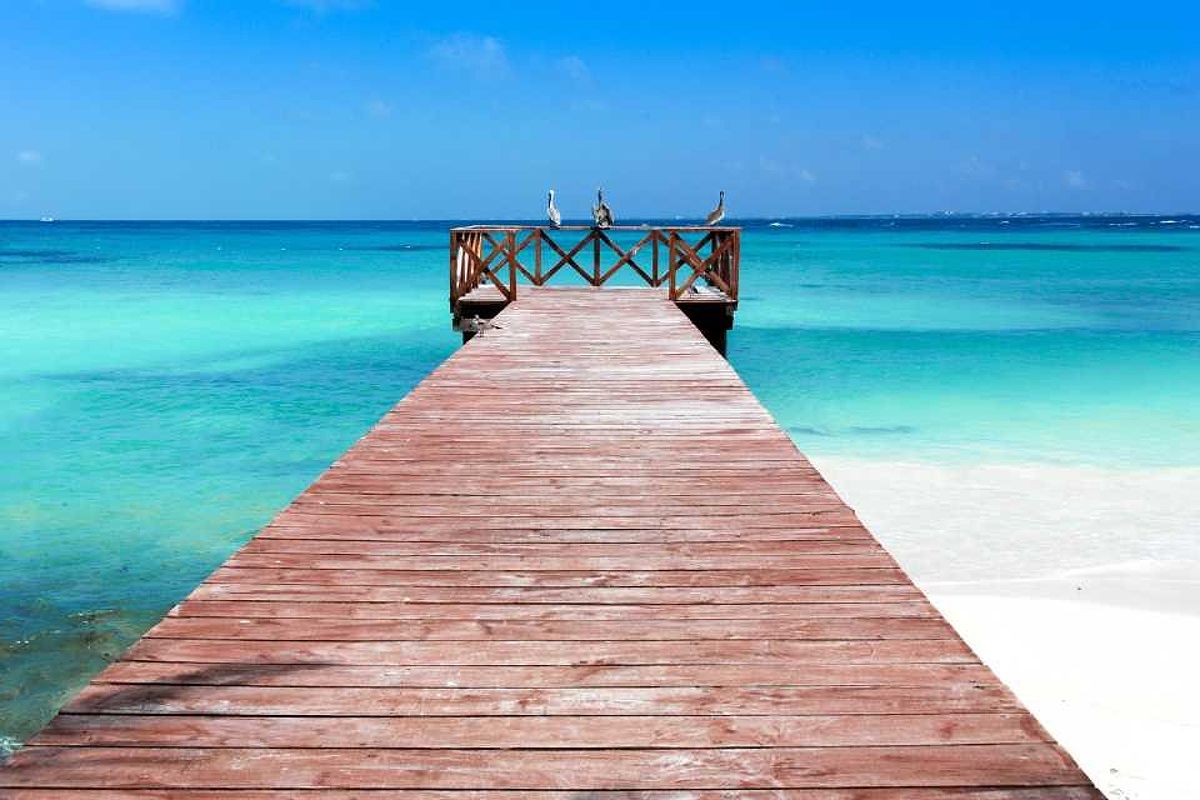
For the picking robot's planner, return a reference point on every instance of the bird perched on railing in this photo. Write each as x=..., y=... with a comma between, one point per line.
x=602, y=216
x=552, y=211
x=718, y=213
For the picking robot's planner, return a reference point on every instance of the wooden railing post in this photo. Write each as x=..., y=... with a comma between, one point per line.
x=511, y=242
x=735, y=266
x=537, y=257
x=453, y=268
x=654, y=259
x=672, y=262
x=595, y=259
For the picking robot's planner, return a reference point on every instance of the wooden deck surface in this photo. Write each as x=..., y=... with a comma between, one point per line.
x=579, y=560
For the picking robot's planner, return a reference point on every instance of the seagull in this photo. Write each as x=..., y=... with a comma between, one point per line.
x=602, y=215
x=480, y=325
x=718, y=213
x=552, y=211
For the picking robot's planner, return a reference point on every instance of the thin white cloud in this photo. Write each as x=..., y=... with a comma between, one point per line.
x=378, y=108
x=870, y=142
x=975, y=167
x=138, y=6
x=574, y=68
x=480, y=56
x=785, y=170
x=30, y=158
x=1075, y=179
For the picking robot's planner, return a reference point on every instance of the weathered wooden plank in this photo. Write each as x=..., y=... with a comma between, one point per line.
x=347, y=545
x=487, y=531
x=666, y=562
x=907, y=793
x=669, y=596
x=377, y=630
x=749, y=524
x=987, y=765
x=947, y=698
x=589, y=733
x=738, y=651
x=316, y=573
x=499, y=676
x=508, y=612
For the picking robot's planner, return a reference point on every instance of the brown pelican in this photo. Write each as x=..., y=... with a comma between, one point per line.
x=602, y=215
x=718, y=213
x=552, y=211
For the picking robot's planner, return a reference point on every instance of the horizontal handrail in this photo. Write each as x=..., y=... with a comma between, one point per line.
x=619, y=228
x=502, y=256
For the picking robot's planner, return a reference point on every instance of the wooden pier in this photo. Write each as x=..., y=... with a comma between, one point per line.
x=579, y=560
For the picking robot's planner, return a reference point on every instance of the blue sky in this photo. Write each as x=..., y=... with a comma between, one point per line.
x=356, y=109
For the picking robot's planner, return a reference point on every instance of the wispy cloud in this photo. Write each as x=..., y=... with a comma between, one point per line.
x=479, y=56
x=785, y=171
x=978, y=169
x=1075, y=179
x=139, y=6
x=575, y=69
x=30, y=158
x=378, y=108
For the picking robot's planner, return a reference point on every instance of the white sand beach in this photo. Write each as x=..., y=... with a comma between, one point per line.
x=1079, y=586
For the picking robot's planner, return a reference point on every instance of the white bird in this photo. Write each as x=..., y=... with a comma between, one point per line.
x=552, y=211
x=718, y=213
x=602, y=215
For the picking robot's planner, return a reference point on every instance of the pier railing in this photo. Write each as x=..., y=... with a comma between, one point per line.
x=684, y=259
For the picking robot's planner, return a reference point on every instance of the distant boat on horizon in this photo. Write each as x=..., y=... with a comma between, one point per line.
x=47, y=219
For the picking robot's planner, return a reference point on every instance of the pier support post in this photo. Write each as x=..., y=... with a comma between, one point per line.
x=714, y=320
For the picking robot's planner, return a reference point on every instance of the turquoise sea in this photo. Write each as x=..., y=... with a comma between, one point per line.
x=165, y=388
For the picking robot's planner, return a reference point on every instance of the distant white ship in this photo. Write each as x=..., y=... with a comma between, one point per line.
x=46, y=219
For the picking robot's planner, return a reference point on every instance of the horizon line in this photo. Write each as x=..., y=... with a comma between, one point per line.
x=639, y=218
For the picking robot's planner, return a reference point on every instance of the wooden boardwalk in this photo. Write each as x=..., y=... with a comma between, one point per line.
x=579, y=560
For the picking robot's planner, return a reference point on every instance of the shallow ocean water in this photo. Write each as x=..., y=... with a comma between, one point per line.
x=165, y=388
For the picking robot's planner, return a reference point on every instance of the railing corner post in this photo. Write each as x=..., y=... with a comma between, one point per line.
x=511, y=241
x=672, y=264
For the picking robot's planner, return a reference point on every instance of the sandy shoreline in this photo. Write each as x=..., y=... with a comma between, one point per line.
x=1079, y=586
